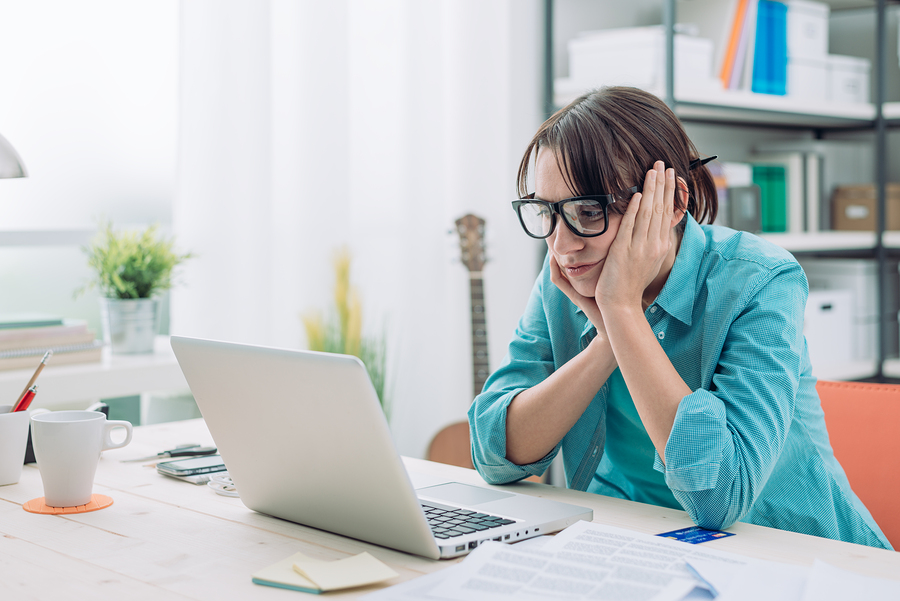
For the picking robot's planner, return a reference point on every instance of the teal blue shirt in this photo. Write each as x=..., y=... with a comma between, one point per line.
x=749, y=443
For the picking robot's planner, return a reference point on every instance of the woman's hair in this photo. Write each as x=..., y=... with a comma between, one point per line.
x=607, y=140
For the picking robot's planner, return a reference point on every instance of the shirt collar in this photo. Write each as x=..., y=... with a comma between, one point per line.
x=678, y=294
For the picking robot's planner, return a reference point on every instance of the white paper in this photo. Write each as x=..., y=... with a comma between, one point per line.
x=495, y=572
x=828, y=583
x=417, y=589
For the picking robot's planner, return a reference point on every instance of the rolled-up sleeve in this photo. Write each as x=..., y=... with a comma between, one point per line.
x=726, y=440
x=529, y=361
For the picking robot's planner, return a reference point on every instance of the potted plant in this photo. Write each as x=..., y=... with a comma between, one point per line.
x=130, y=270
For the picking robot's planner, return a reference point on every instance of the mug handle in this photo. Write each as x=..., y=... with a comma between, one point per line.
x=107, y=440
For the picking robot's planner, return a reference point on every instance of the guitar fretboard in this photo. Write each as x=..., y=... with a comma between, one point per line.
x=480, y=366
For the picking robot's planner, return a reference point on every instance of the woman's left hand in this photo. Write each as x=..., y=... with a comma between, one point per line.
x=641, y=244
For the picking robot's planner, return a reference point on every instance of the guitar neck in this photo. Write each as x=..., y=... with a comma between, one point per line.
x=480, y=366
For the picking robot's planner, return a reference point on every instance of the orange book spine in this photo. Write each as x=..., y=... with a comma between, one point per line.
x=733, y=40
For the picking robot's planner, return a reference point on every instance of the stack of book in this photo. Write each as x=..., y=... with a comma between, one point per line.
x=24, y=338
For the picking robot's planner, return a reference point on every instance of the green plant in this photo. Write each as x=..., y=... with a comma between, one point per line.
x=340, y=330
x=129, y=264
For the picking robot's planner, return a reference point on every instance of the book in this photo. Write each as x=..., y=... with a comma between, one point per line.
x=36, y=341
x=772, y=182
x=711, y=19
x=302, y=573
x=794, y=193
x=28, y=320
x=770, y=49
x=734, y=42
x=30, y=358
x=742, y=77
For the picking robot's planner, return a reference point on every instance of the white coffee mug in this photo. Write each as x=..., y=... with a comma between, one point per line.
x=67, y=446
x=13, y=438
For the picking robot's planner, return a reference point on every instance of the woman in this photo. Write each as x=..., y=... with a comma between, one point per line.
x=665, y=359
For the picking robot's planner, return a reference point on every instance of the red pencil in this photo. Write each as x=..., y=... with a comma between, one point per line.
x=26, y=400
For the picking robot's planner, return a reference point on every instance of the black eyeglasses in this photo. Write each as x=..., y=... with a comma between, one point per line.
x=586, y=216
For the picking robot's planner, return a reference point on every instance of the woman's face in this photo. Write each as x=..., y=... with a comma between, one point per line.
x=580, y=259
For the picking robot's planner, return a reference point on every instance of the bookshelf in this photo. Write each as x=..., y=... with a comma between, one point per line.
x=746, y=113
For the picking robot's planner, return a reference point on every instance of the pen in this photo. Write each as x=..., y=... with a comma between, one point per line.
x=23, y=404
x=37, y=372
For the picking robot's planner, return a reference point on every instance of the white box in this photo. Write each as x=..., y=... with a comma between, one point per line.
x=848, y=79
x=807, y=78
x=859, y=276
x=807, y=29
x=828, y=327
x=635, y=56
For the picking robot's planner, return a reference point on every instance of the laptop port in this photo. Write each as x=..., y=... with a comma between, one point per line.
x=498, y=538
x=473, y=544
x=506, y=537
x=460, y=548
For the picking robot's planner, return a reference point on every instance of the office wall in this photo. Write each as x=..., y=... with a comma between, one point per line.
x=88, y=98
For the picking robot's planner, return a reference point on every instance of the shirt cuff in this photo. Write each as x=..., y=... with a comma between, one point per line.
x=696, y=443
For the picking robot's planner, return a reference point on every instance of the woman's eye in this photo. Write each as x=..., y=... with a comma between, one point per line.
x=586, y=215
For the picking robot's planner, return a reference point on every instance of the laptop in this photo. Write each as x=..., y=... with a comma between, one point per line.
x=304, y=438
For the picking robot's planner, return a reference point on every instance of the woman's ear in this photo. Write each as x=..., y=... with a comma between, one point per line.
x=681, y=201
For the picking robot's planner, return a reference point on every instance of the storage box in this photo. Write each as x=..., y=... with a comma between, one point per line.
x=848, y=79
x=807, y=78
x=807, y=29
x=853, y=207
x=860, y=277
x=828, y=327
x=635, y=56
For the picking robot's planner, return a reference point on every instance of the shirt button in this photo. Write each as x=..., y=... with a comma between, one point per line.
x=661, y=335
x=653, y=309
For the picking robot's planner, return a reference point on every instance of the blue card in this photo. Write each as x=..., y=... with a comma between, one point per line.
x=695, y=535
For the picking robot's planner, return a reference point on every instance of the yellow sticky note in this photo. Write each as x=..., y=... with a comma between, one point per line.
x=349, y=572
x=301, y=573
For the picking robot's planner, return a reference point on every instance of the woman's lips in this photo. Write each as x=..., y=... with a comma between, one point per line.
x=579, y=270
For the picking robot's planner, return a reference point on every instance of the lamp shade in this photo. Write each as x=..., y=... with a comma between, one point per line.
x=11, y=164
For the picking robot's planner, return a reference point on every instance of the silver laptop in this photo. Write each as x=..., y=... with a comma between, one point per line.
x=304, y=439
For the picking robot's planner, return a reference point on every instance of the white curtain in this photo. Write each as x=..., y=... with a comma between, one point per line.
x=308, y=125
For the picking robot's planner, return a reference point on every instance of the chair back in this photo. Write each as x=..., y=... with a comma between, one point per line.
x=863, y=423
x=451, y=446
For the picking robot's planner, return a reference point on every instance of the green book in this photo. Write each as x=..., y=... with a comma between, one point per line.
x=772, y=182
x=28, y=320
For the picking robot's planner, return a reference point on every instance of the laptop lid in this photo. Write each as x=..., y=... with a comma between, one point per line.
x=304, y=439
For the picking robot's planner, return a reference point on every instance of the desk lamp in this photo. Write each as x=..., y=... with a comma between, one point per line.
x=10, y=162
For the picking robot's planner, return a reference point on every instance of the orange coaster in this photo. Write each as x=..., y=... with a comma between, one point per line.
x=38, y=506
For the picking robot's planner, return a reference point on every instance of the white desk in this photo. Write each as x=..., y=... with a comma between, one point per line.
x=113, y=376
x=167, y=539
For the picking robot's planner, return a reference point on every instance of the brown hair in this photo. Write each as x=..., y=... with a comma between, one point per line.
x=606, y=140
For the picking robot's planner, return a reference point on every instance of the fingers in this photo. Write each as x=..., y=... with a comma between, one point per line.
x=654, y=215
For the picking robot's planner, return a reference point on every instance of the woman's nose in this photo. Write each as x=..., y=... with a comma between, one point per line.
x=562, y=241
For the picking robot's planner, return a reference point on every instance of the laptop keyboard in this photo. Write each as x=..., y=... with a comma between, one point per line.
x=447, y=522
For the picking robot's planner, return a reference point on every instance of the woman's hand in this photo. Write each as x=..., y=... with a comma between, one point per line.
x=641, y=245
x=586, y=304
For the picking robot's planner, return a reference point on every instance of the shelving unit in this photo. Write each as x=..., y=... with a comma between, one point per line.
x=742, y=108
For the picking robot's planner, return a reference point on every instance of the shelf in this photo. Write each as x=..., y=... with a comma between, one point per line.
x=48, y=237
x=712, y=104
x=113, y=376
x=824, y=241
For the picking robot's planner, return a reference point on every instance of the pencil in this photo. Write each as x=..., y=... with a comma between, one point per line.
x=37, y=372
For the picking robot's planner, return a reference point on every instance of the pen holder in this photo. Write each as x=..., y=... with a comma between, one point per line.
x=29, y=450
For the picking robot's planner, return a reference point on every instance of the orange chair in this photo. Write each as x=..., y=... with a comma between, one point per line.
x=864, y=427
x=452, y=446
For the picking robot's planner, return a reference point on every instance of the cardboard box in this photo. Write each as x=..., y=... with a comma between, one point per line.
x=853, y=208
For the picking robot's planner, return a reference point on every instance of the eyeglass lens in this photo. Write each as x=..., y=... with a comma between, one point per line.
x=585, y=216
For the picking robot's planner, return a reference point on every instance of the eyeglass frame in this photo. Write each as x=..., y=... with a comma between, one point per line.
x=604, y=199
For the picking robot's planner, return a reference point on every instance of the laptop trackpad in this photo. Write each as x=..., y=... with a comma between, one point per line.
x=462, y=494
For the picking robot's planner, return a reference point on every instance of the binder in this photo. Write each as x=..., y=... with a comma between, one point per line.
x=770, y=50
